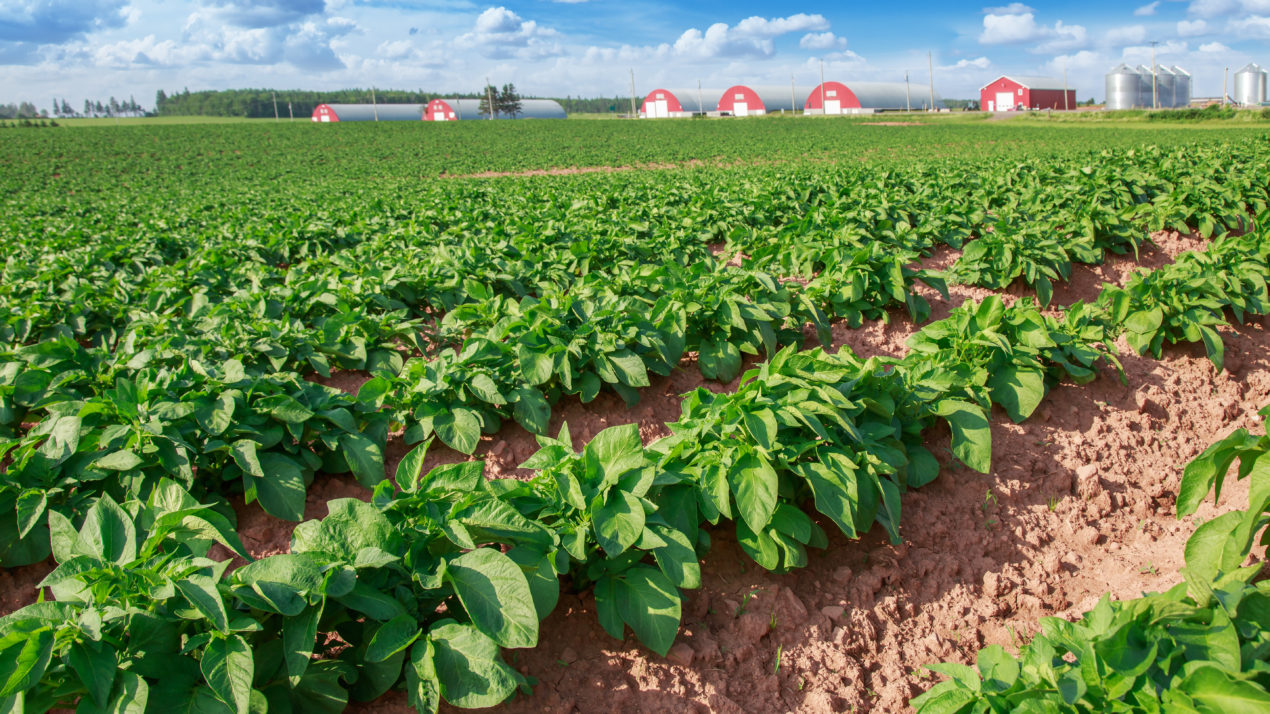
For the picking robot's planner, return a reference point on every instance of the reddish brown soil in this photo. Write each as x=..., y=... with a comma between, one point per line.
x=1079, y=502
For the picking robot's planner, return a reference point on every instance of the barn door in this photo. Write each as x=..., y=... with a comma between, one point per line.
x=661, y=109
x=1005, y=101
x=833, y=106
x=740, y=109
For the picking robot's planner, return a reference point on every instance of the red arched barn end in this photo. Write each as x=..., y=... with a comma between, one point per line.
x=831, y=98
x=741, y=101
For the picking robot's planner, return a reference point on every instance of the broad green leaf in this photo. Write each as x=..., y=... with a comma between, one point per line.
x=1218, y=692
x=410, y=468
x=281, y=490
x=496, y=595
x=364, y=457
x=650, y=604
x=63, y=439
x=754, y=483
x=392, y=637
x=459, y=428
x=95, y=665
x=535, y=366
x=618, y=520
x=108, y=532
x=227, y=667
x=1018, y=390
x=719, y=360
x=118, y=461
x=25, y=652
x=285, y=409
x=971, y=436
x=762, y=427
x=299, y=635
x=531, y=410
x=484, y=387
x=469, y=667
x=204, y=595
x=422, y=686
x=629, y=368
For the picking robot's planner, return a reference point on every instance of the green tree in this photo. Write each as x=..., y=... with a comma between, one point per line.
x=507, y=101
x=489, y=92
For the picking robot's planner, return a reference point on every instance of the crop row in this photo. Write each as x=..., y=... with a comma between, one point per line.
x=426, y=583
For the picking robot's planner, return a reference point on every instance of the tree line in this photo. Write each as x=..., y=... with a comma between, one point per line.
x=259, y=103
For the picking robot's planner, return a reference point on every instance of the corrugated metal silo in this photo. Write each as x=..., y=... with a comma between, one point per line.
x=1146, y=94
x=1166, y=84
x=1124, y=88
x=1183, y=86
x=1250, y=85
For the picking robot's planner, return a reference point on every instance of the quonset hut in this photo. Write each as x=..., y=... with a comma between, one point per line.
x=749, y=100
x=367, y=112
x=668, y=103
x=456, y=109
x=867, y=97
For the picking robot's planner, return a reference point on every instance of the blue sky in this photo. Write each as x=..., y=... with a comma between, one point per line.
x=95, y=48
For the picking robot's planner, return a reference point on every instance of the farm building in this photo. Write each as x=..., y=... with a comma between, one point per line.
x=749, y=100
x=667, y=103
x=1010, y=92
x=367, y=112
x=866, y=97
x=456, y=109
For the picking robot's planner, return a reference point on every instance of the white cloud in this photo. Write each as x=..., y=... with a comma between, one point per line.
x=1129, y=35
x=502, y=34
x=822, y=41
x=1214, y=48
x=1172, y=50
x=1190, y=28
x=1016, y=24
x=751, y=37
x=1254, y=27
x=1218, y=8
x=976, y=63
x=1147, y=10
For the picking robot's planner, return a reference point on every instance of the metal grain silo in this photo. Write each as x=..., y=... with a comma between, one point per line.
x=1250, y=85
x=1166, y=85
x=1183, y=85
x=1146, y=97
x=1124, y=86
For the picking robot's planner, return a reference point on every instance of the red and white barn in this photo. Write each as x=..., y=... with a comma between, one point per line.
x=456, y=109
x=669, y=103
x=868, y=97
x=1012, y=91
x=326, y=113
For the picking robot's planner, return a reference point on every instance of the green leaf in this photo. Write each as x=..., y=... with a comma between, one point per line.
x=464, y=476
x=754, y=482
x=411, y=467
x=971, y=436
x=459, y=428
x=364, y=457
x=95, y=665
x=618, y=521
x=227, y=667
x=131, y=695
x=244, y=452
x=496, y=595
x=762, y=426
x=281, y=490
x=469, y=668
x=285, y=409
x=299, y=635
x=629, y=368
x=108, y=532
x=63, y=439
x=536, y=366
x=651, y=605
x=118, y=461
x=531, y=410
x=677, y=559
x=31, y=505
x=25, y=652
x=422, y=685
x=719, y=360
x=392, y=637
x=1219, y=692
x=203, y=594
x=1018, y=390
x=484, y=387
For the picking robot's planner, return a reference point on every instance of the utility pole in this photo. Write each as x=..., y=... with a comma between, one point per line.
x=908, y=94
x=701, y=102
x=489, y=97
x=1155, y=98
x=930, y=63
x=373, y=104
x=290, y=110
x=822, y=87
x=793, y=102
x=1224, y=76
x=275, y=106
x=633, y=114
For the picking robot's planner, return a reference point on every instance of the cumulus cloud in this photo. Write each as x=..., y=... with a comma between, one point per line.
x=500, y=33
x=304, y=45
x=1218, y=8
x=1130, y=35
x=1016, y=24
x=57, y=21
x=1214, y=48
x=1141, y=54
x=751, y=37
x=263, y=13
x=1190, y=28
x=1254, y=27
x=1147, y=10
x=977, y=63
x=822, y=41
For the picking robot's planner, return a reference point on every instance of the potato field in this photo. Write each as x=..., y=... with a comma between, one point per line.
x=737, y=416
